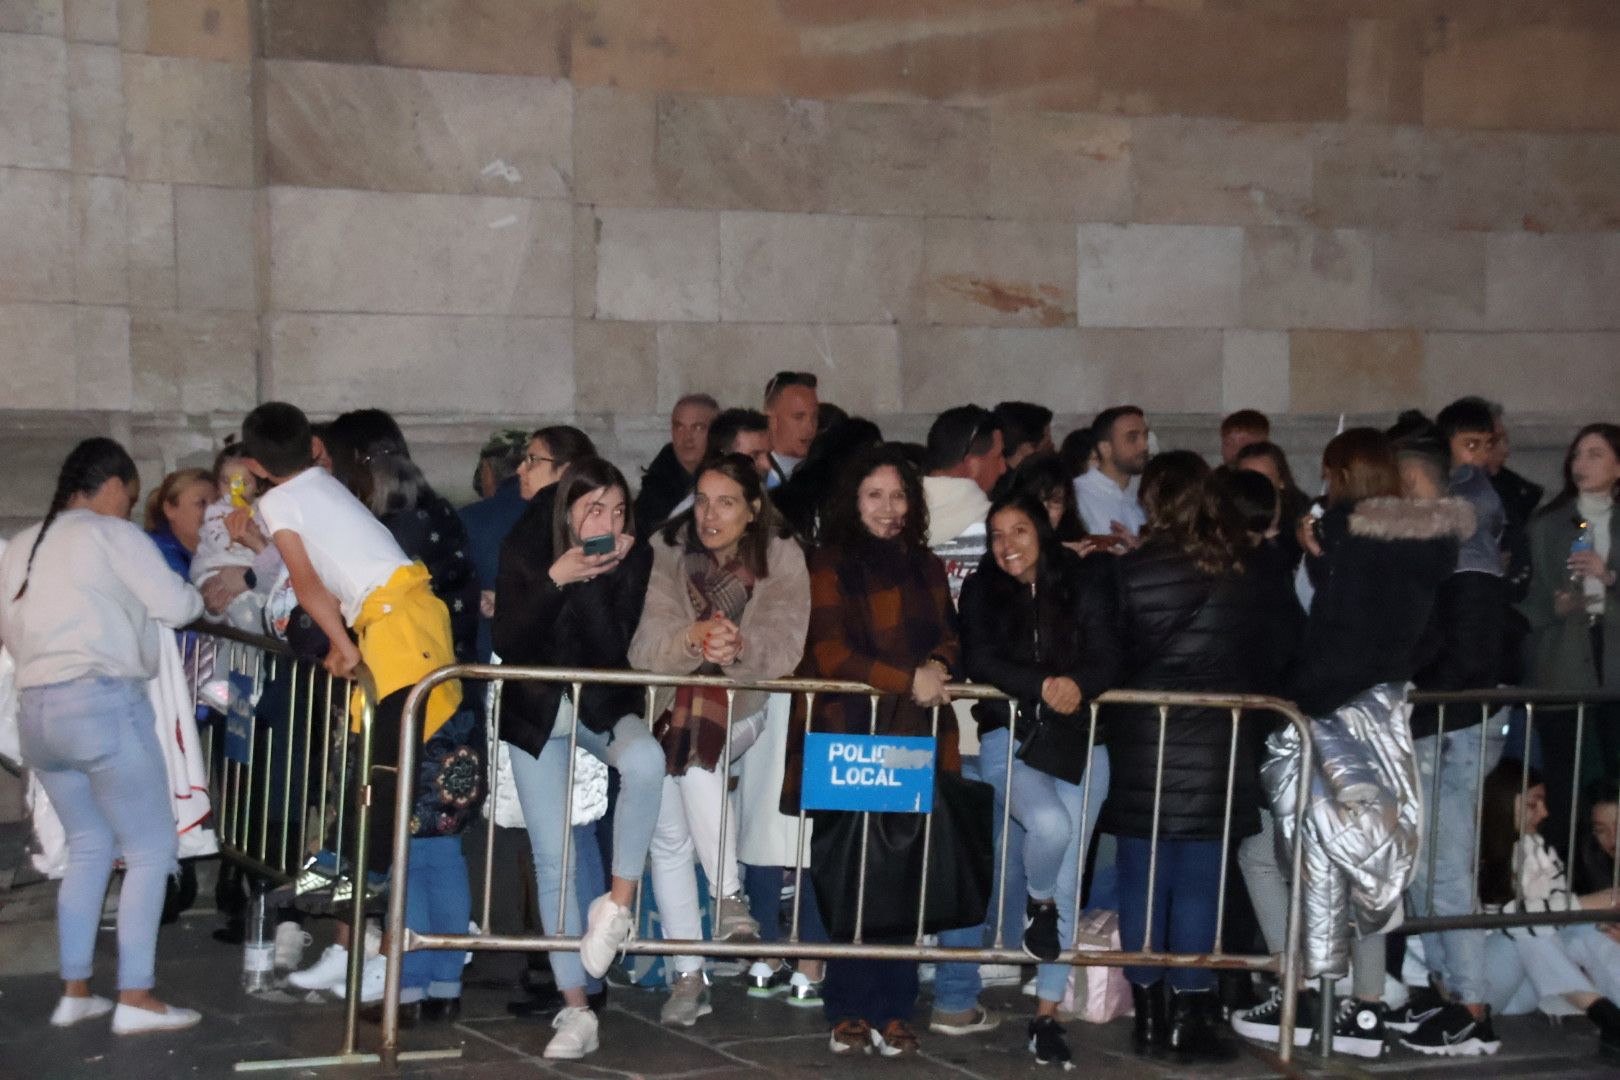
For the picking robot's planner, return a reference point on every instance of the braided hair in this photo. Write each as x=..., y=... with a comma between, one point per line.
x=89, y=465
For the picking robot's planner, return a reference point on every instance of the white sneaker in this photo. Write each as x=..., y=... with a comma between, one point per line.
x=373, y=979
x=129, y=1020
x=576, y=1036
x=607, y=927
x=291, y=941
x=327, y=973
x=1000, y=975
x=373, y=940
x=70, y=1010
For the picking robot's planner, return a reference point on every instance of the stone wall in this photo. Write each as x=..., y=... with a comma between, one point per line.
x=491, y=212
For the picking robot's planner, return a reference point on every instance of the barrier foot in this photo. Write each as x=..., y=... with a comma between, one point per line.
x=334, y=1060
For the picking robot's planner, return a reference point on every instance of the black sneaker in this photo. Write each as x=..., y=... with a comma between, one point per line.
x=1359, y=1029
x=1453, y=1032
x=1041, y=935
x=1422, y=1002
x=1047, y=1043
x=1263, y=1023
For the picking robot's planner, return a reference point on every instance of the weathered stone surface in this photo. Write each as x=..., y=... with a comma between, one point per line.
x=95, y=93
x=1307, y=278
x=1527, y=76
x=199, y=29
x=1151, y=62
x=37, y=342
x=658, y=264
x=215, y=262
x=31, y=17
x=1334, y=371
x=584, y=262
x=195, y=361
x=93, y=21
x=1085, y=370
x=615, y=367
x=36, y=249
x=189, y=121
x=383, y=129
x=1552, y=373
x=859, y=366
x=1428, y=280
x=494, y=36
x=500, y=366
x=1553, y=282
x=1212, y=172
x=1570, y=182
x=1060, y=166
x=1417, y=178
x=1254, y=371
x=615, y=140
x=830, y=268
x=1159, y=275
x=101, y=354
x=419, y=254
x=33, y=102
x=1386, y=72
x=101, y=247
x=152, y=281
x=998, y=273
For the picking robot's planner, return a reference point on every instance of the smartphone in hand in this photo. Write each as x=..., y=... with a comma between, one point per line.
x=599, y=545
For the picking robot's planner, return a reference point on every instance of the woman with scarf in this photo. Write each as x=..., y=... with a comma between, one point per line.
x=728, y=595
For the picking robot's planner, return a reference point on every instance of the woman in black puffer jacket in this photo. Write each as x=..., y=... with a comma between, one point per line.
x=1188, y=621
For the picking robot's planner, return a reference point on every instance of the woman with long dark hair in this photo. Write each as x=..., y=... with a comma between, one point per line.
x=84, y=597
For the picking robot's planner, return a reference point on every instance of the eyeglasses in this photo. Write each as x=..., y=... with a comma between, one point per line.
x=529, y=460
x=983, y=429
x=784, y=379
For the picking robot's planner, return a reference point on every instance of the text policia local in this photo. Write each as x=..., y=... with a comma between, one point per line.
x=864, y=765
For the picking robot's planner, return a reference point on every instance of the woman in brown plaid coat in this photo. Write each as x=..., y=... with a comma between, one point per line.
x=880, y=613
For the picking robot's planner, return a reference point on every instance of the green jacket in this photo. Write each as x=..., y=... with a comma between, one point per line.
x=1559, y=649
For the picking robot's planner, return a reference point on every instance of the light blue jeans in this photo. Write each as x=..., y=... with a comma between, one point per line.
x=438, y=900
x=1457, y=956
x=94, y=746
x=1528, y=972
x=542, y=790
x=1055, y=841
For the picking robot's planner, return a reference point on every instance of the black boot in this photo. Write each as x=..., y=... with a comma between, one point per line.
x=1195, y=1026
x=1151, y=1032
x=1606, y=1015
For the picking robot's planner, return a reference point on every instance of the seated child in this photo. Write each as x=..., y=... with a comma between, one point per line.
x=252, y=553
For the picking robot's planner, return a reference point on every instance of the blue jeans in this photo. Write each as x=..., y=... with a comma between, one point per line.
x=763, y=884
x=1055, y=843
x=437, y=901
x=94, y=746
x=1186, y=887
x=542, y=789
x=1527, y=972
x=1457, y=956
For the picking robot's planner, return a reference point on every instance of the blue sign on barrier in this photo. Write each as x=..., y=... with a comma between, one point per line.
x=239, y=718
x=879, y=773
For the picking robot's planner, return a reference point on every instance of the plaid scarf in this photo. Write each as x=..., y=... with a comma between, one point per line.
x=692, y=730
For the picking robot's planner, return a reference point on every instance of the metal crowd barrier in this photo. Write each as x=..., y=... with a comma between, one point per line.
x=399, y=939
x=283, y=788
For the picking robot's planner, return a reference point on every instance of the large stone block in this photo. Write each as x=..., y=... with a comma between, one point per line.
x=37, y=341
x=215, y=255
x=1152, y=62
x=96, y=108
x=829, y=268
x=1486, y=73
x=1254, y=371
x=92, y=21
x=101, y=241
x=615, y=367
x=36, y=230
x=472, y=365
x=419, y=254
x=1332, y=371
x=152, y=280
x=1418, y=178
x=1079, y=371
x=998, y=273
x=1159, y=275
x=1060, y=166
x=1554, y=373
x=1428, y=280
x=1554, y=282
x=199, y=29
x=386, y=129
x=858, y=366
x=1386, y=72
x=1307, y=278
x=189, y=121
x=31, y=17
x=101, y=354
x=1211, y=172
x=615, y=140
x=501, y=37
x=194, y=361
x=34, y=130
x=1570, y=182
x=658, y=264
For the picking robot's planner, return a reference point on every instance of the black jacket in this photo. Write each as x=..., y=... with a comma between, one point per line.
x=432, y=532
x=1182, y=629
x=585, y=625
x=663, y=485
x=1014, y=638
x=1382, y=564
x=1467, y=627
x=1519, y=498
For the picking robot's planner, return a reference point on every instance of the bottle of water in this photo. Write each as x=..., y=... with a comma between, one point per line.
x=258, y=949
x=1583, y=542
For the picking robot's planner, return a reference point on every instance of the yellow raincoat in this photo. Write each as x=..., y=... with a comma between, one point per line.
x=404, y=633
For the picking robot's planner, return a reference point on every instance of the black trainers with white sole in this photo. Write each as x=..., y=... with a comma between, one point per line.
x=1422, y=1002
x=1359, y=1029
x=1263, y=1023
x=1047, y=1043
x=1041, y=935
x=1454, y=1032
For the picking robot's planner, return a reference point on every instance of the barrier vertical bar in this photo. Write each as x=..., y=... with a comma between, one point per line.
x=343, y=771
x=866, y=827
x=410, y=715
x=362, y=852
x=1575, y=781
x=568, y=813
x=1226, y=833
x=1430, y=848
x=928, y=837
x=303, y=787
x=1289, y=1019
x=1153, y=839
x=287, y=760
x=1013, y=711
x=492, y=749
x=1085, y=816
x=1479, y=801
x=798, y=851
x=1524, y=786
x=717, y=887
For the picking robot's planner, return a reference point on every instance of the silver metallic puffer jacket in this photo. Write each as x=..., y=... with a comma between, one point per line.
x=1361, y=821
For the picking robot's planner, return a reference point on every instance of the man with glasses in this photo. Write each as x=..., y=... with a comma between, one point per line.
x=669, y=479
x=1107, y=493
x=791, y=407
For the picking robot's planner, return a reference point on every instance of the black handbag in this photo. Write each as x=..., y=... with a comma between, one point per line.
x=961, y=870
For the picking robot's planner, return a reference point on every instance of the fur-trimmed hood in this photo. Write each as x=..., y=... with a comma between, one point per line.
x=1389, y=518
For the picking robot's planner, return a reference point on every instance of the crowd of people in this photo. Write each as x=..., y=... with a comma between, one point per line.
x=795, y=540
